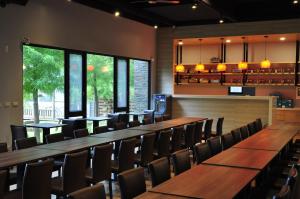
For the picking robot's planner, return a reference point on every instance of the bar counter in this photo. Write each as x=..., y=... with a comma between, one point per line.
x=237, y=110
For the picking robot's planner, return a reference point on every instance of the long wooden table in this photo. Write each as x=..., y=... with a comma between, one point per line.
x=121, y=134
x=151, y=195
x=208, y=181
x=243, y=158
x=268, y=139
x=168, y=124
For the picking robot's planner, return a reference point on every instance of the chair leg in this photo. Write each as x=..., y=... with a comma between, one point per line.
x=110, y=189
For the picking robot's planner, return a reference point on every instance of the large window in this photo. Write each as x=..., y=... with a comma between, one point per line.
x=43, y=85
x=139, y=85
x=100, y=85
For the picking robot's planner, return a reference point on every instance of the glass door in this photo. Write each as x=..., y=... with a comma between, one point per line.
x=121, y=101
x=75, y=84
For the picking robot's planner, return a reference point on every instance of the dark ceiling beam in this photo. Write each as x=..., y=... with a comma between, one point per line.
x=130, y=12
x=222, y=8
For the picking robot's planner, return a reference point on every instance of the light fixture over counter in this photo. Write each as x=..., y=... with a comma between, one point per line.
x=200, y=67
x=243, y=65
x=265, y=63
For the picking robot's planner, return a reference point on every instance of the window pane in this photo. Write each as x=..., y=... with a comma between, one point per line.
x=100, y=85
x=43, y=86
x=122, y=83
x=139, y=84
x=75, y=83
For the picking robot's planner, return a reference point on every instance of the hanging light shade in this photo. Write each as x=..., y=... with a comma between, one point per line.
x=265, y=64
x=179, y=68
x=243, y=65
x=221, y=67
x=200, y=68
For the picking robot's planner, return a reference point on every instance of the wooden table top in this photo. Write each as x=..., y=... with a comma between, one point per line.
x=243, y=158
x=77, y=144
x=151, y=195
x=268, y=139
x=168, y=124
x=208, y=181
x=100, y=118
x=121, y=134
x=17, y=157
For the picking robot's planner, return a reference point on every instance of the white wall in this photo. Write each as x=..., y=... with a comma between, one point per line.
x=63, y=24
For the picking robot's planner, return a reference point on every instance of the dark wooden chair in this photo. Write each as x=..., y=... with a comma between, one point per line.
x=3, y=183
x=147, y=121
x=17, y=132
x=163, y=144
x=181, y=161
x=73, y=175
x=114, y=118
x=227, y=141
x=189, y=136
x=3, y=147
x=94, y=192
x=101, y=166
x=198, y=132
x=159, y=171
x=158, y=119
x=177, y=138
x=120, y=126
x=72, y=124
x=79, y=133
x=134, y=123
x=215, y=145
x=219, y=127
x=244, y=132
x=236, y=134
x=100, y=129
x=125, y=159
x=202, y=152
x=132, y=183
x=252, y=128
x=208, y=129
x=58, y=137
x=145, y=156
x=150, y=115
x=124, y=117
x=258, y=124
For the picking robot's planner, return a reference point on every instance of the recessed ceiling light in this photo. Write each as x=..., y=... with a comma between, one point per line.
x=155, y=26
x=69, y=0
x=117, y=13
x=282, y=38
x=194, y=7
x=221, y=21
x=228, y=40
x=180, y=42
x=295, y=2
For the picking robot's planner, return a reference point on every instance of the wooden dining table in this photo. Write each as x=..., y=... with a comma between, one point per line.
x=268, y=139
x=121, y=134
x=208, y=181
x=151, y=195
x=243, y=158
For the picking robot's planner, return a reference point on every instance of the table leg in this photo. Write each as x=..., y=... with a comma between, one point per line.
x=95, y=124
x=46, y=131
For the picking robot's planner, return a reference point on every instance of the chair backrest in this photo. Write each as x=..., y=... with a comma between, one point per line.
x=227, y=141
x=158, y=119
x=159, y=171
x=72, y=124
x=177, y=136
x=17, y=132
x=163, y=143
x=166, y=117
x=202, y=152
x=102, y=162
x=207, y=128
x=114, y=118
x=189, y=135
x=37, y=180
x=244, y=132
x=219, y=127
x=134, y=123
x=120, y=125
x=215, y=145
x=25, y=143
x=258, y=124
x=100, y=129
x=79, y=133
x=147, y=121
x=198, y=132
x=124, y=118
x=150, y=115
x=74, y=171
x=236, y=134
x=58, y=137
x=3, y=180
x=132, y=183
x=3, y=147
x=181, y=161
x=251, y=128
x=147, y=148
x=126, y=154
x=94, y=192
